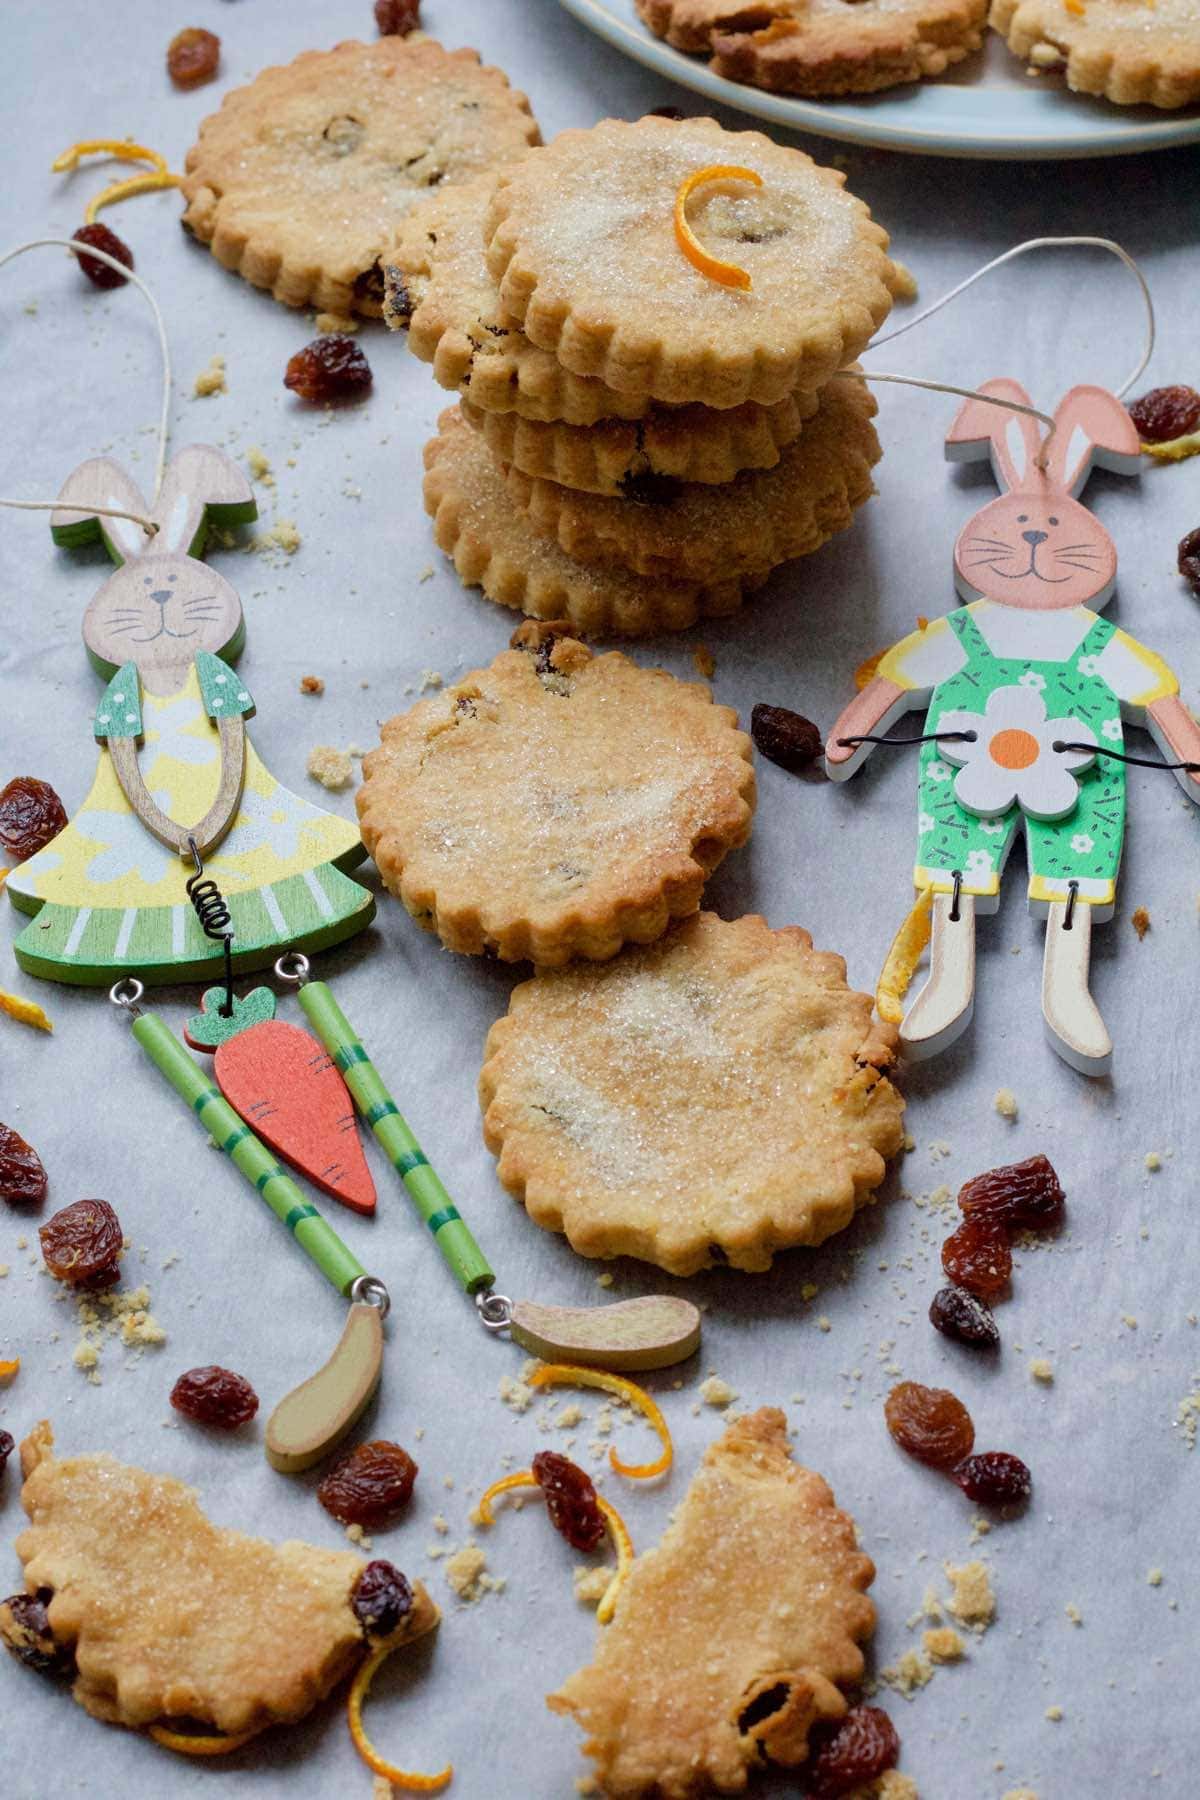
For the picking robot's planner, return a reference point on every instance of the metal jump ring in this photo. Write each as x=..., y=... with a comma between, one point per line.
x=127, y=992
x=370, y=1291
x=293, y=966
x=495, y=1310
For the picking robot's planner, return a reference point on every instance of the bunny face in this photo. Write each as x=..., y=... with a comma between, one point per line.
x=158, y=611
x=1038, y=550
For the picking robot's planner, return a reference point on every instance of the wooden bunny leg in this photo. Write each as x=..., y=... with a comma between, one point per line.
x=1073, y=1023
x=942, y=1010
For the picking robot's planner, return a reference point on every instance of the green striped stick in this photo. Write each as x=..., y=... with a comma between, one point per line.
x=314, y=1234
x=466, y=1260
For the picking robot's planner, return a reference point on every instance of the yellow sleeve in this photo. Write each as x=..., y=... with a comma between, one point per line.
x=924, y=658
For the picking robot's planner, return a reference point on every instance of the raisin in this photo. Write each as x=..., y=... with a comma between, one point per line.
x=396, y=18
x=958, y=1314
x=1165, y=413
x=370, y=1485
x=978, y=1257
x=1188, y=559
x=650, y=489
x=1024, y=1193
x=31, y=814
x=332, y=367
x=859, y=1747
x=25, y=1629
x=22, y=1176
x=666, y=112
x=570, y=1499
x=7, y=1446
x=785, y=737
x=932, y=1424
x=215, y=1396
x=101, y=238
x=81, y=1243
x=382, y=1599
x=994, y=1478
x=192, y=56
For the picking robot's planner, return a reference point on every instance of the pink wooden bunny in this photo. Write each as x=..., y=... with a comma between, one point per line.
x=1027, y=691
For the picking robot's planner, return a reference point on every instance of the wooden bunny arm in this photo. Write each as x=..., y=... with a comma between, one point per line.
x=1178, y=735
x=207, y=832
x=880, y=703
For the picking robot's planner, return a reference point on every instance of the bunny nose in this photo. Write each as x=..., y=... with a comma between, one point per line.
x=1031, y=537
x=162, y=595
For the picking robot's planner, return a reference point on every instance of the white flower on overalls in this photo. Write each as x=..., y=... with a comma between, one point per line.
x=1012, y=759
x=977, y=865
x=1111, y=729
x=1031, y=679
x=994, y=827
x=1082, y=844
x=925, y=822
x=1088, y=665
x=938, y=771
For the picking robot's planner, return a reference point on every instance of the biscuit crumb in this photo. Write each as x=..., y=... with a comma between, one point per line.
x=1054, y=1714
x=464, y=1570
x=515, y=1394
x=591, y=1585
x=910, y=1672
x=431, y=678
x=440, y=1524
x=1073, y=1613
x=311, y=684
x=972, y=1600
x=1153, y=1161
x=606, y=1280
x=259, y=466
x=824, y=1324
x=809, y=1291
x=943, y=1644
x=1155, y=1578
x=705, y=662
x=210, y=380
x=332, y=768
x=327, y=322
x=426, y=573
x=902, y=282
x=1020, y=1793
x=715, y=1392
x=586, y=1785
x=1005, y=1103
x=1041, y=1369
x=1140, y=920
x=569, y=1416
x=1187, y=1417
x=358, y=1536
x=284, y=536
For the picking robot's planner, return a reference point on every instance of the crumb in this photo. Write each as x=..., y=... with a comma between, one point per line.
x=358, y=1536
x=1054, y=1714
x=891, y=1785
x=1021, y=1793
x=3, y=1270
x=908, y=1673
x=1187, y=1417
x=515, y=1394
x=1153, y=1161
x=259, y=466
x=381, y=1788
x=311, y=684
x=715, y=1392
x=705, y=662
x=1005, y=1103
x=31, y=307
x=1140, y=920
x=1073, y=1613
x=569, y=1416
x=447, y=1481
x=283, y=536
x=1129, y=1320
x=330, y=321
x=465, y=1570
x=809, y=1291
x=972, y=1600
x=943, y=1645
x=591, y=1585
x=1155, y=1578
x=430, y=678
x=903, y=282
x=586, y=1785
x=440, y=1524
x=332, y=768
x=930, y=1608
x=210, y=380
x=605, y=1280
x=824, y=1324
x=85, y=1355
x=1041, y=1369
x=425, y=575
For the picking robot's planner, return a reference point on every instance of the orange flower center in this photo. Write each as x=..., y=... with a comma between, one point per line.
x=1014, y=749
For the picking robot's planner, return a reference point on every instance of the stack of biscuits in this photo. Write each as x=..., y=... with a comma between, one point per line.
x=638, y=442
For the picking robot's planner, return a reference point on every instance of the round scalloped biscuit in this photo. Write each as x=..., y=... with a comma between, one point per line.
x=439, y=289
x=582, y=241
x=689, y=24
x=761, y=518
x=1135, y=52
x=714, y=1098
x=299, y=181
x=821, y=48
x=494, y=547
x=556, y=804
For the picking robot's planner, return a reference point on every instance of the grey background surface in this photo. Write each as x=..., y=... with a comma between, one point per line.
x=1115, y=1484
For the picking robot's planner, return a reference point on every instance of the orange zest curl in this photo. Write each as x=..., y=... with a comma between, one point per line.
x=9, y=1370
x=200, y=1743
x=400, y=1778
x=618, y=1531
x=569, y=1375
x=124, y=151
x=727, y=274
x=902, y=959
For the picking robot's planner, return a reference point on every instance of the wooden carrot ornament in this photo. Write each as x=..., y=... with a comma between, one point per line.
x=1028, y=693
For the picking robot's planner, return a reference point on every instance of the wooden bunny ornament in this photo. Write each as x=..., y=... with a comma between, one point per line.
x=1026, y=689
x=176, y=767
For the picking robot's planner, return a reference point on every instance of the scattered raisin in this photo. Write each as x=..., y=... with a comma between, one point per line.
x=785, y=737
x=666, y=112
x=25, y=1630
x=648, y=488
x=370, y=1485
x=82, y=1243
x=192, y=56
x=1165, y=413
x=31, y=814
x=978, y=1257
x=332, y=367
x=1188, y=559
x=1025, y=1193
x=994, y=1478
x=855, y=1750
x=22, y=1176
x=396, y=18
x=215, y=1396
x=7, y=1446
x=958, y=1314
x=101, y=238
x=382, y=1599
x=932, y=1424
x=570, y=1499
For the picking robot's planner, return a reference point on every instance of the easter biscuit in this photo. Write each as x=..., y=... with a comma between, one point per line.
x=827, y=47
x=556, y=804
x=171, y=1618
x=299, y=180
x=636, y=457
x=760, y=518
x=439, y=289
x=493, y=546
x=735, y=1635
x=582, y=242
x=1136, y=52
x=711, y=1099
x=689, y=24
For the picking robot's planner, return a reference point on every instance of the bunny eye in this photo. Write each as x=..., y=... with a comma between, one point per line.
x=148, y=580
x=171, y=577
x=1053, y=521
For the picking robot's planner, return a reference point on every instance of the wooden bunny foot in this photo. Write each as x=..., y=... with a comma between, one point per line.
x=1073, y=1023
x=942, y=1010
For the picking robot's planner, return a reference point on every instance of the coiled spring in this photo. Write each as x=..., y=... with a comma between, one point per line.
x=215, y=919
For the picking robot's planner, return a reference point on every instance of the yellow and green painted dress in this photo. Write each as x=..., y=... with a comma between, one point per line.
x=109, y=898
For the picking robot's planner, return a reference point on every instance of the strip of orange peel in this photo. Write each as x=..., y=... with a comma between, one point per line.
x=726, y=273
x=400, y=1778
x=25, y=1012
x=903, y=957
x=124, y=151
x=618, y=1531
x=200, y=1744
x=570, y=1375
x=9, y=1370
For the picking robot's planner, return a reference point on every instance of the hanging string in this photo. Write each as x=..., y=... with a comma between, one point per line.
x=110, y=512
x=947, y=387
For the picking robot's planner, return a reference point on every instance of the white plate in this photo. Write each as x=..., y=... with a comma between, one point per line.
x=984, y=107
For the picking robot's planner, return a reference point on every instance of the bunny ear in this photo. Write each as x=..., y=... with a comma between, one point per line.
x=201, y=487
x=100, y=482
x=1009, y=438
x=1090, y=425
